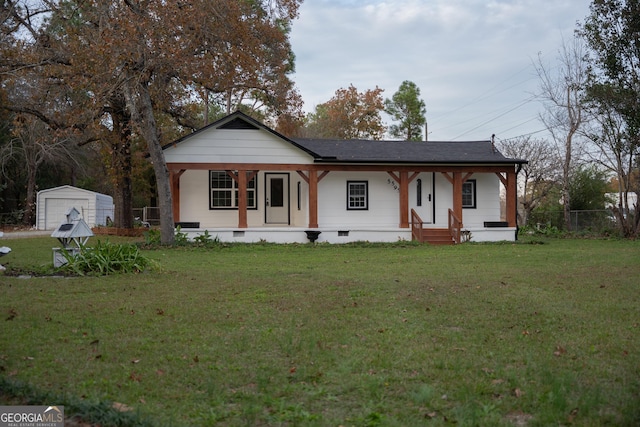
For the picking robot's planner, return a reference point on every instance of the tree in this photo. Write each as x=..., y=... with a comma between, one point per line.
x=562, y=95
x=35, y=144
x=540, y=174
x=611, y=32
x=406, y=107
x=348, y=115
x=138, y=62
x=588, y=188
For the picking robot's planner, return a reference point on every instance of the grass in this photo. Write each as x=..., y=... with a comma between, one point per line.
x=362, y=335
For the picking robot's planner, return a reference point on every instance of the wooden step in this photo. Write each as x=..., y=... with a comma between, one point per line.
x=437, y=236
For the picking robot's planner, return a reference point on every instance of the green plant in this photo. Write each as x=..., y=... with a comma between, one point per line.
x=205, y=239
x=106, y=258
x=181, y=238
x=152, y=237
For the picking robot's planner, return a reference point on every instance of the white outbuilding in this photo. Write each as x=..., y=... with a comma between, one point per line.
x=52, y=204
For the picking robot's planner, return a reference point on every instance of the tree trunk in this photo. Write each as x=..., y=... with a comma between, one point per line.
x=30, y=201
x=121, y=167
x=140, y=105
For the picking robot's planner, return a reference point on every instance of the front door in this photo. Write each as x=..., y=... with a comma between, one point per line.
x=422, y=196
x=277, y=198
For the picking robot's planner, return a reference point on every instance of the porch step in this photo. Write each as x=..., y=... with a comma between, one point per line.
x=437, y=236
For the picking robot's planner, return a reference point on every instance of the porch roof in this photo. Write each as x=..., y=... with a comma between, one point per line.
x=431, y=152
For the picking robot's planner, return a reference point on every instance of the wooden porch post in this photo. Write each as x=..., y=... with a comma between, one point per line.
x=404, y=199
x=174, y=179
x=242, y=199
x=313, y=198
x=457, y=195
x=512, y=201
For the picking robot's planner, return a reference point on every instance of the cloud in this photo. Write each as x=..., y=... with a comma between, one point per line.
x=471, y=59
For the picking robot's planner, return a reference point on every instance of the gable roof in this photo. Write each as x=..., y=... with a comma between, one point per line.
x=237, y=120
x=368, y=151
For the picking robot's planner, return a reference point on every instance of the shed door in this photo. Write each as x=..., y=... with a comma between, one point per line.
x=276, y=198
x=55, y=210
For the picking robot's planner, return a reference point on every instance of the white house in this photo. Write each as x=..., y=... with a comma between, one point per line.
x=52, y=204
x=244, y=182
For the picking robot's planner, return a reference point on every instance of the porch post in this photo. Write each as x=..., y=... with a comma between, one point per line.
x=457, y=195
x=404, y=199
x=174, y=180
x=242, y=199
x=512, y=201
x=313, y=198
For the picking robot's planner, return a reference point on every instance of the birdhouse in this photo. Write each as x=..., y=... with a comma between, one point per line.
x=73, y=233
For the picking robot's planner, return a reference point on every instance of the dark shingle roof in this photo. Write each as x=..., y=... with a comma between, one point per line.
x=362, y=151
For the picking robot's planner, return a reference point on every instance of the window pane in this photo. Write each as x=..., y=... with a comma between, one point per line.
x=221, y=198
x=221, y=180
x=277, y=192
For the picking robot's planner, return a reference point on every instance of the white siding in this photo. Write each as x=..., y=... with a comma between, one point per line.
x=194, y=202
x=487, y=200
x=384, y=208
x=236, y=146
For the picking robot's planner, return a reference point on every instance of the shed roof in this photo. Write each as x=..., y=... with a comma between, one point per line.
x=72, y=188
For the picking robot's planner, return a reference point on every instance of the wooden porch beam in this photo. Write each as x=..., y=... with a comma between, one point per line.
x=343, y=167
x=512, y=199
x=404, y=199
x=174, y=180
x=449, y=177
x=313, y=198
x=242, y=199
x=304, y=177
x=457, y=195
x=413, y=176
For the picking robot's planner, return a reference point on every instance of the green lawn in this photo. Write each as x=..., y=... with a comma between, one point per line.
x=363, y=335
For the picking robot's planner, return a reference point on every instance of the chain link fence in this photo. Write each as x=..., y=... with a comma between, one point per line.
x=593, y=221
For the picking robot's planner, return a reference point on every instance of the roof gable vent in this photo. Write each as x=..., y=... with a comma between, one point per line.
x=238, y=123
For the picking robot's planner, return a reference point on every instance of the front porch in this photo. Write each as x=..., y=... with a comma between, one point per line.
x=333, y=235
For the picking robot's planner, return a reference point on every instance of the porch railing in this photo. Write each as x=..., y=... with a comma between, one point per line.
x=416, y=226
x=455, y=226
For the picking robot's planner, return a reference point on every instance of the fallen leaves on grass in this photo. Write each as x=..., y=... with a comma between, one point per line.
x=121, y=407
x=559, y=351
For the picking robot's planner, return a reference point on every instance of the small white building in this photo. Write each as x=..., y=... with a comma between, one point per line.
x=52, y=204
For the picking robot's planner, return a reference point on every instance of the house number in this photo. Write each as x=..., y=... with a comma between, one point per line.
x=393, y=184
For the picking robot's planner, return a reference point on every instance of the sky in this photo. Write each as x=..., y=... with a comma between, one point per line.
x=473, y=60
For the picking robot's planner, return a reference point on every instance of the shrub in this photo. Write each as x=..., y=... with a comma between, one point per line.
x=107, y=258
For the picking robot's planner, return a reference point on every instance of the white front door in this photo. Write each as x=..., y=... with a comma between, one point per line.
x=422, y=196
x=276, y=198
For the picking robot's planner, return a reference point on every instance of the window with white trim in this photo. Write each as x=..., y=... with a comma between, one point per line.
x=469, y=194
x=357, y=195
x=223, y=192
